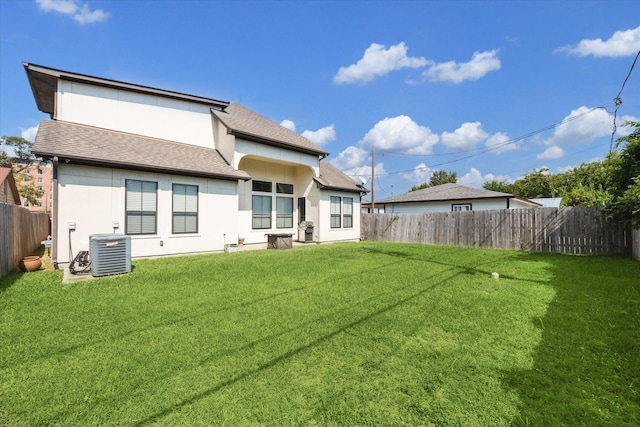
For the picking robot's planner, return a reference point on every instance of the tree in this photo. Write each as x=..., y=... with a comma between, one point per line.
x=501, y=186
x=420, y=187
x=15, y=153
x=626, y=179
x=438, y=177
x=534, y=185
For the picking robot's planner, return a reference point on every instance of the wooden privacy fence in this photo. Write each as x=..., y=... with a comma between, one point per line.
x=21, y=232
x=574, y=230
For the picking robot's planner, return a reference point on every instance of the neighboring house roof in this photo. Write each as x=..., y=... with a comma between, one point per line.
x=331, y=178
x=44, y=84
x=7, y=180
x=446, y=192
x=244, y=123
x=93, y=146
x=548, y=202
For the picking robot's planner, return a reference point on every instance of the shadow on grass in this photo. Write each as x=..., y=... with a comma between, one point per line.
x=299, y=349
x=586, y=369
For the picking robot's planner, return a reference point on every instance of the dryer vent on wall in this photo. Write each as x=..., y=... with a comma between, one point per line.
x=110, y=254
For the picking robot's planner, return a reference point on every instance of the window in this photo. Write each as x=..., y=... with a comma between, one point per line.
x=40, y=179
x=284, y=212
x=335, y=212
x=284, y=188
x=261, y=218
x=262, y=205
x=185, y=208
x=39, y=171
x=302, y=210
x=141, y=207
x=347, y=217
x=461, y=207
x=262, y=186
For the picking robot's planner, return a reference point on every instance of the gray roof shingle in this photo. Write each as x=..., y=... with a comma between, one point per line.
x=101, y=147
x=332, y=178
x=243, y=122
x=444, y=192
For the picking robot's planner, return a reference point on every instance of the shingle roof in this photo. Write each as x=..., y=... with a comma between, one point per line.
x=6, y=174
x=444, y=192
x=101, y=147
x=332, y=178
x=243, y=122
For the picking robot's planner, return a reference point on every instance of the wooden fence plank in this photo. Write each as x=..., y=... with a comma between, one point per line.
x=575, y=230
x=21, y=232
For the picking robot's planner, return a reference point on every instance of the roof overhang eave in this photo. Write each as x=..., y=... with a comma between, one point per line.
x=275, y=143
x=85, y=161
x=338, y=188
x=44, y=84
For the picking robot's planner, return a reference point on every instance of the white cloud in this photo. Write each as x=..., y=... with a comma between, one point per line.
x=401, y=133
x=288, y=124
x=78, y=10
x=350, y=157
x=621, y=43
x=499, y=143
x=584, y=125
x=474, y=178
x=321, y=136
x=378, y=61
x=465, y=137
x=419, y=174
x=30, y=133
x=553, y=152
x=481, y=63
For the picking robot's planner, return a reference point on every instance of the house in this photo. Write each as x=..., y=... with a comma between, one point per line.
x=548, y=202
x=179, y=173
x=41, y=178
x=448, y=198
x=8, y=189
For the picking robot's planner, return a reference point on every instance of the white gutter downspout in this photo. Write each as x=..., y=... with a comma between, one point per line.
x=54, y=215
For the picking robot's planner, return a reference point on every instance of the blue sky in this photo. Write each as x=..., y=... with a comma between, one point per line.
x=488, y=89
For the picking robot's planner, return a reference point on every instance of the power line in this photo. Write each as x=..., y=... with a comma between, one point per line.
x=618, y=102
x=480, y=151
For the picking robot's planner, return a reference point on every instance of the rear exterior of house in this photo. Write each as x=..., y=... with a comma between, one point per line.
x=178, y=173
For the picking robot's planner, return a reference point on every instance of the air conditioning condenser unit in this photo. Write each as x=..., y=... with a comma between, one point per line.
x=110, y=254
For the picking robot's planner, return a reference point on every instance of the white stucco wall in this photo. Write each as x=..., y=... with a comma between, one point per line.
x=93, y=198
x=328, y=234
x=270, y=153
x=136, y=113
x=301, y=177
x=476, y=205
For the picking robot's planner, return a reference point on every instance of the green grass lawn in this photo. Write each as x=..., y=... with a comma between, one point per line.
x=344, y=334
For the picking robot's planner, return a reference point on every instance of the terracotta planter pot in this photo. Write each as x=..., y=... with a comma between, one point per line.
x=30, y=263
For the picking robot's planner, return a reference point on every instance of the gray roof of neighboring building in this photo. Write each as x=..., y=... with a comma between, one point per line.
x=444, y=192
x=244, y=123
x=548, y=202
x=331, y=178
x=102, y=147
x=6, y=175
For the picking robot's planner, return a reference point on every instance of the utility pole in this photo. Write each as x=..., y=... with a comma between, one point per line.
x=373, y=183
